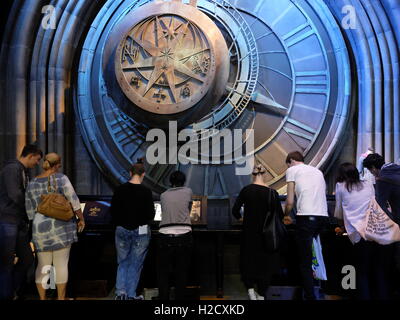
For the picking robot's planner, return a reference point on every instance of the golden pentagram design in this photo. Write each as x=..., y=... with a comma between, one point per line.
x=165, y=64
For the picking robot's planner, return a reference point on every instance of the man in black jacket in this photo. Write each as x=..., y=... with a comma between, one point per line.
x=14, y=223
x=387, y=192
x=387, y=184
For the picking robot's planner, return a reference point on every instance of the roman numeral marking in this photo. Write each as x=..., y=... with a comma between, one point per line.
x=313, y=86
x=266, y=166
x=271, y=52
x=301, y=126
x=301, y=37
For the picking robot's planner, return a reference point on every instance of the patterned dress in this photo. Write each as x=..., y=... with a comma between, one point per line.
x=49, y=234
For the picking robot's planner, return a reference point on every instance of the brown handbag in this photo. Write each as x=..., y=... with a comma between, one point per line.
x=55, y=205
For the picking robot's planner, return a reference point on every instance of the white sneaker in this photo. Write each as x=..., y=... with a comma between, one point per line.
x=252, y=294
x=140, y=297
x=259, y=297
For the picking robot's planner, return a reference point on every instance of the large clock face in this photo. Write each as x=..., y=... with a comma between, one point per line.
x=279, y=67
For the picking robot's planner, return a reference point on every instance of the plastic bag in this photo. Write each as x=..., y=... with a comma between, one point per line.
x=318, y=264
x=274, y=231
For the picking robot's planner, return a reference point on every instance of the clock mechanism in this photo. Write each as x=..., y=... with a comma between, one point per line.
x=279, y=68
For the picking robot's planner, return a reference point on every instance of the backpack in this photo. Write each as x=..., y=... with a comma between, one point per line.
x=274, y=230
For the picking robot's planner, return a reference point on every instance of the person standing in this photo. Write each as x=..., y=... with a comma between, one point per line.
x=308, y=185
x=14, y=223
x=175, y=239
x=353, y=197
x=132, y=208
x=387, y=192
x=387, y=184
x=257, y=265
x=52, y=238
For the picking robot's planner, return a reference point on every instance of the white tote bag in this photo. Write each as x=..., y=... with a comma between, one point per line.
x=318, y=264
x=379, y=227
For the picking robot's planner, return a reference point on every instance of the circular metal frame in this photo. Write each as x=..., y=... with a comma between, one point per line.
x=196, y=20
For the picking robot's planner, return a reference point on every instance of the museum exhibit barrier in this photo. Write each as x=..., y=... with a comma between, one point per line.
x=215, y=255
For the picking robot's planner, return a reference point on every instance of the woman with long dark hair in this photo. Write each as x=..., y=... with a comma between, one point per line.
x=257, y=264
x=352, y=199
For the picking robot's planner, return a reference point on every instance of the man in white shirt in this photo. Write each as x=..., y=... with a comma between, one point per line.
x=308, y=184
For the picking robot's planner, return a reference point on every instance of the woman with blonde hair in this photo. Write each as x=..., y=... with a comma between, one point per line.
x=51, y=237
x=257, y=262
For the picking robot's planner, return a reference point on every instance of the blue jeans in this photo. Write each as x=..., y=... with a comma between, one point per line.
x=131, y=252
x=14, y=241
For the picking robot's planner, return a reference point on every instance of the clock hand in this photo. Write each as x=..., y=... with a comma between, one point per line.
x=268, y=104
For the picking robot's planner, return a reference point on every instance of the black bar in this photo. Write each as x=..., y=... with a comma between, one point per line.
x=220, y=264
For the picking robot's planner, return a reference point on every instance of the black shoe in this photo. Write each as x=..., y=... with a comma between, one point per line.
x=19, y=297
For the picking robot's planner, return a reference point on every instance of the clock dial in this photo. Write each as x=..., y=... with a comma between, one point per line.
x=294, y=98
x=167, y=64
x=279, y=67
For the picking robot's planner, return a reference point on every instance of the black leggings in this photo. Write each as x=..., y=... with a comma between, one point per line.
x=173, y=256
x=372, y=268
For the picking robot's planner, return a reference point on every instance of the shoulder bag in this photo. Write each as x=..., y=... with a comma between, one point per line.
x=378, y=225
x=55, y=205
x=274, y=231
